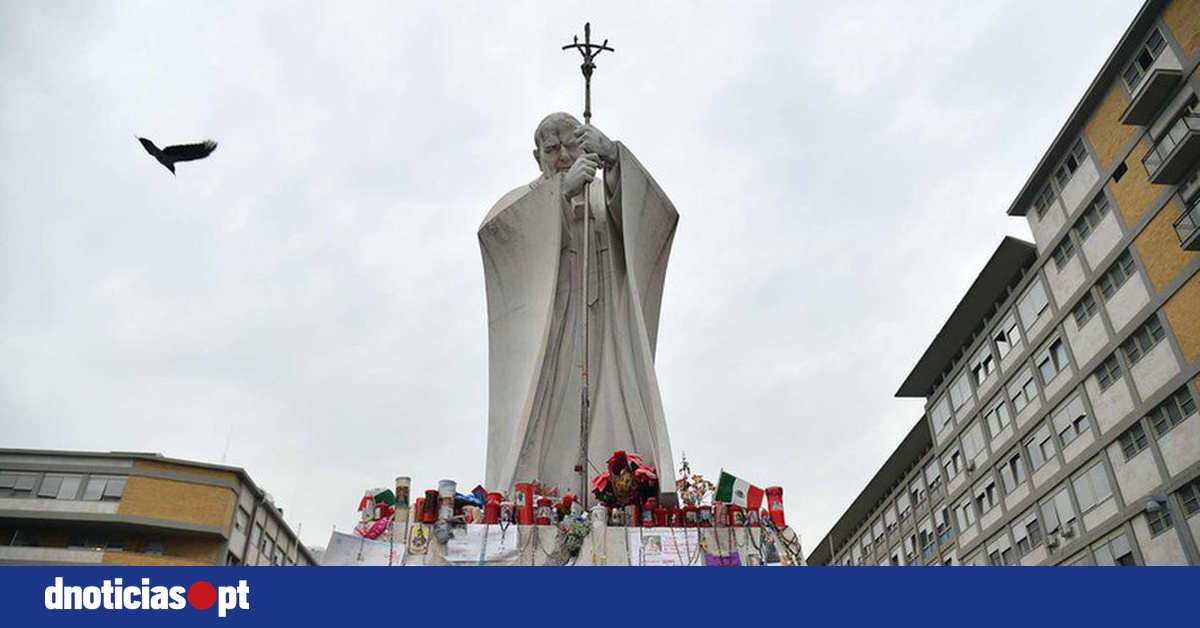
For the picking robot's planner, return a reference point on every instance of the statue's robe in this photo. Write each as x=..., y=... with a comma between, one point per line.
x=532, y=252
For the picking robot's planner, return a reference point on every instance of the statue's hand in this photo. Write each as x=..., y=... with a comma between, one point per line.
x=592, y=140
x=581, y=173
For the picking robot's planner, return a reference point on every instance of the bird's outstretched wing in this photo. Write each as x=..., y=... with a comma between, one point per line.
x=190, y=152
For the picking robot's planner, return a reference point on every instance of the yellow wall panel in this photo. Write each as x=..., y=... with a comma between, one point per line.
x=1105, y=131
x=177, y=501
x=185, y=469
x=1183, y=18
x=1134, y=193
x=1159, y=249
x=147, y=560
x=1183, y=313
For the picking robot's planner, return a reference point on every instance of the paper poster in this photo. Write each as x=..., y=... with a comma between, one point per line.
x=664, y=546
x=350, y=550
x=418, y=539
x=468, y=544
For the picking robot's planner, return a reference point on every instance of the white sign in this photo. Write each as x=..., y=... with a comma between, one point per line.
x=468, y=545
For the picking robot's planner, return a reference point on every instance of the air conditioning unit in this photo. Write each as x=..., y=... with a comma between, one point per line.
x=1052, y=541
x=1068, y=532
x=970, y=466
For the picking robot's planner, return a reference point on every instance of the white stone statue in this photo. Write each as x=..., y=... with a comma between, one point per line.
x=532, y=250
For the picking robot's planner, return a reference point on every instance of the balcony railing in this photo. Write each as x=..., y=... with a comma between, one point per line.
x=1175, y=152
x=1187, y=227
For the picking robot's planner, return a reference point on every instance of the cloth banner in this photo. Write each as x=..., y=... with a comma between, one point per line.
x=351, y=550
x=713, y=560
x=468, y=544
x=653, y=547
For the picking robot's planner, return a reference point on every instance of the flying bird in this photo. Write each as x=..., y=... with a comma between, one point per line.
x=182, y=152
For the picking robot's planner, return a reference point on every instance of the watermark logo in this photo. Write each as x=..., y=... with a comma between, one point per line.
x=115, y=595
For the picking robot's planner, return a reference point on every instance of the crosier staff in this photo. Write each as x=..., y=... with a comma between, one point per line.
x=589, y=52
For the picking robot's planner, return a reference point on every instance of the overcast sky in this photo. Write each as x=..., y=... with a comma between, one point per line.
x=308, y=302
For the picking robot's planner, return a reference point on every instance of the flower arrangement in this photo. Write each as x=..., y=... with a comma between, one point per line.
x=628, y=480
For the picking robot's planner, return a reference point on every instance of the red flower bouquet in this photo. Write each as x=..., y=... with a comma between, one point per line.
x=628, y=480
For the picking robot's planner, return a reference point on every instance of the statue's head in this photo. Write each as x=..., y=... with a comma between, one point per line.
x=555, y=147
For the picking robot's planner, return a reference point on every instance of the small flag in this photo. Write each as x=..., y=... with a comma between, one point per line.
x=734, y=490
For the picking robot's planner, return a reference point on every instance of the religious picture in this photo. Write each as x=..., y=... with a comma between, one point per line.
x=770, y=549
x=653, y=546
x=418, y=541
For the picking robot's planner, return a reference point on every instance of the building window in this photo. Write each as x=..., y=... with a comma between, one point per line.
x=916, y=491
x=1029, y=538
x=1070, y=163
x=1084, y=310
x=1058, y=512
x=960, y=392
x=966, y=515
x=1073, y=429
x=985, y=499
x=256, y=535
x=1159, y=521
x=1108, y=372
x=1053, y=361
x=1091, y=217
x=940, y=414
x=1190, y=494
x=1063, y=253
x=933, y=475
x=1007, y=337
x=1034, y=304
x=1024, y=395
x=1143, y=60
x=1042, y=202
x=1012, y=473
x=1116, y=552
x=1171, y=412
x=1143, y=340
x=1133, y=440
x=104, y=488
x=56, y=486
x=15, y=484
x=982, y=367
x=953, y=463
x=97, y=543
x=1092, y=487
x=1040, y=447
x=155, y=547
x=1116, y=275
x=997, y=419
x=241, y=519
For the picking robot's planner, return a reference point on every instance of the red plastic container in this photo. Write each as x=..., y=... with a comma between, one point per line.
x=737, y=516
x=491, y=509
x=775, y=505
x=429, y=514
x=525, y=504
x=545, y=511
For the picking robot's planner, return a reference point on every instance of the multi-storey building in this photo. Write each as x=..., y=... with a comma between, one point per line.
x=66, y=507
x=1061, y=422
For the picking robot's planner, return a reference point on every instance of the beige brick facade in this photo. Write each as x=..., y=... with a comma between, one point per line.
x=1105, y=131
x=1159, y=248
x=178, y=501
x=1183, y=20
x=1134, y=193
x=1181, y=312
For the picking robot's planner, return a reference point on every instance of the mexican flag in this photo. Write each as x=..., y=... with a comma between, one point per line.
x=734, y=490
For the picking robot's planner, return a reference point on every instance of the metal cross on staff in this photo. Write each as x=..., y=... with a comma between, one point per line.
x=589, y=51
